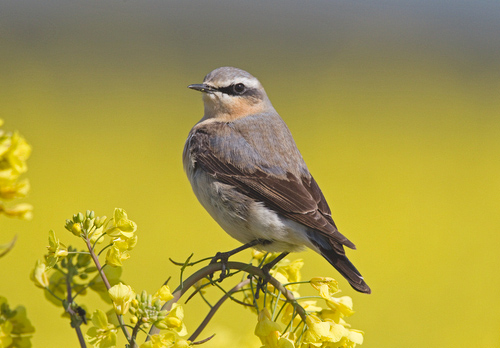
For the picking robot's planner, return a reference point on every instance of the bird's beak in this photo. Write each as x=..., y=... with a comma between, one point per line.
x=203, y=88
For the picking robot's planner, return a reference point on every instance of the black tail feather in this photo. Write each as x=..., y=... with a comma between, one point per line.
x=344, y=266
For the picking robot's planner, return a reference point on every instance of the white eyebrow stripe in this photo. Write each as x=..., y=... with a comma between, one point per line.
x=251, y=83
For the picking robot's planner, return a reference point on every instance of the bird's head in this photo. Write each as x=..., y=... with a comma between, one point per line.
x=231, y=93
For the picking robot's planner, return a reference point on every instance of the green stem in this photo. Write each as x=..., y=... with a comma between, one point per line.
x=74, y=316
x=107, y=246
x=301, y=282
x=135, y=330
x=108, y=286
x=101, y=236
x=231, y=295
x=50, y=292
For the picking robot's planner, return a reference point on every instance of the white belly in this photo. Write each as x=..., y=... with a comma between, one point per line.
x=246, y=220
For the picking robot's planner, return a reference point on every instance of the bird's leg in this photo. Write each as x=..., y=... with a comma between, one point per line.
x=223, y=257
x=266, y=268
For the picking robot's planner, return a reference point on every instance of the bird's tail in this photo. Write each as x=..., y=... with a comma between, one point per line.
x=342, y=264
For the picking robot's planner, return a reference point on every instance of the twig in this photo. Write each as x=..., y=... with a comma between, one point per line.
x=232, y=298
x=8, y=247
x=215, y=308
x=203, y=341
x=190, y=263
x=214, y=267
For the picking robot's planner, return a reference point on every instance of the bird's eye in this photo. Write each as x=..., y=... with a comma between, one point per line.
x=239, y=88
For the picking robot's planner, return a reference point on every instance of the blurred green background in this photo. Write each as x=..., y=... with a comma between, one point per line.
x=394, y=105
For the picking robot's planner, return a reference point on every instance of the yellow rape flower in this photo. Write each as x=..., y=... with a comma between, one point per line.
x=341, y=304
x=39, y=275
x=11, y=190
x=337, y=332
x=164, y=294
x=309, y=306
x=121, y=295
x=355, y=336
x=5, y=334
x=130, y=242
x=286, y=340
x=14, y=151
x=122, y=226
x=117, y=253
x=258, y=255
x=166, y=340
x=288, y=272
x=102, y=334
x=23, y=211
x=317, y=330
x=325, y=285
x=267, y=330
x=174, y=320
x=56, y=250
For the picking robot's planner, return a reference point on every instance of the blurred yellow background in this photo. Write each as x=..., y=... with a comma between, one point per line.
x=395, y=107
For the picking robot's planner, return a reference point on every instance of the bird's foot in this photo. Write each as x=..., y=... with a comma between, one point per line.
x=223, y=258
x=266, y=269
x=262, y=282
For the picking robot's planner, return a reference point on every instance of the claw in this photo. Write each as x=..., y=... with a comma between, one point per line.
x=261, y=284
x=223, y=258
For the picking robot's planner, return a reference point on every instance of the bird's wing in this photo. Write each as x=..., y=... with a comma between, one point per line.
x=298, y=199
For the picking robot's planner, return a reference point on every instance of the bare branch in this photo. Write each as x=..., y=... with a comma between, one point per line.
x=214, y=267
x=215, y=308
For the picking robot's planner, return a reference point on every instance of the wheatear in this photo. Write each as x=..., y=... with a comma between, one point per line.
x=247, y=172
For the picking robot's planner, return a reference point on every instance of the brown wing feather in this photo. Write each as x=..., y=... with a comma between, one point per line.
x=298, y=199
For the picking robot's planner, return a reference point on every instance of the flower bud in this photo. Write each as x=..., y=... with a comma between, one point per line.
x=162, y=325
x=99, y=221
x=39, y=275
x=69, y=225
x=173, y=322
x=76, y=229
x=88, y=223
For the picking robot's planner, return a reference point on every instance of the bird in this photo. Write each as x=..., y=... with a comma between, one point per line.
x=247, y=172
